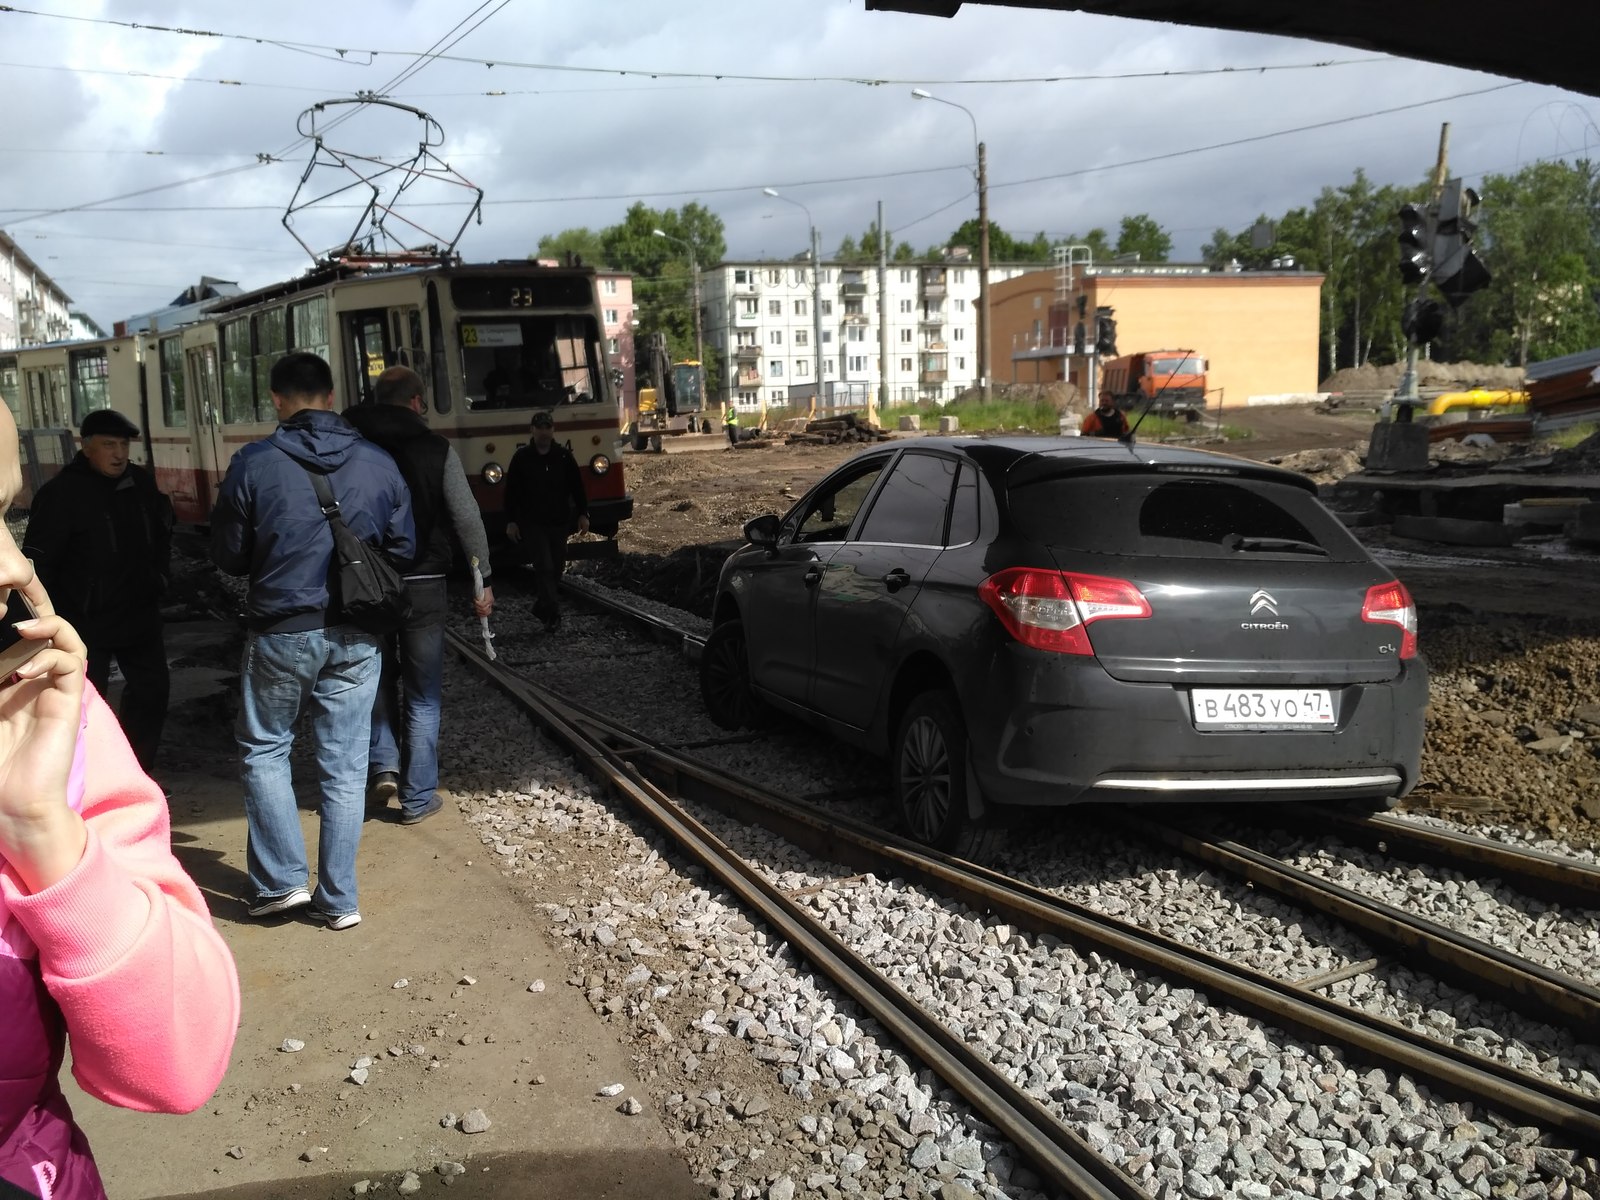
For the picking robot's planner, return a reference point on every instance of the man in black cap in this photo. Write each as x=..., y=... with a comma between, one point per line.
x=545, y=505
x=100, y=536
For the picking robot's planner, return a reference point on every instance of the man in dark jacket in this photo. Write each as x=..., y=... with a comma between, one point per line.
x=545, y=502
x=100, y=536
x=404, y=755
x=299, y=652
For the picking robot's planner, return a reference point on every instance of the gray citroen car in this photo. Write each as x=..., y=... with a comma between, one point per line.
x=1026, y=622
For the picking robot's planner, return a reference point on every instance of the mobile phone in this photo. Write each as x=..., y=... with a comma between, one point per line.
x=14, y=648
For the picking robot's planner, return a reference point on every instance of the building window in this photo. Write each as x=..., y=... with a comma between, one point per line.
x=827, y=366
x=827, y=308
x=827, y=336
x=802, y=337
x=774, y=308
x=905, y=306
x=1038, y=301
x=740, y=275
x=745, y=337
x=855, y=333
x=852, y=307
x=1038, y=328
x=905, y=335
x=858, y=362
x=611, y=316
x=827, y=276
x=775, y=369
x=609, y=286
x=960, y=334
x=905, y=364
x=907, y=395
x=799, y=308
x=961, y=304
x=776, y=337
x=905, y=276
x=958, y=276
x=774, y=277
x=748, y=399
x=802, y=366
x=747, y=308
x=613, y=345
x=961, y=363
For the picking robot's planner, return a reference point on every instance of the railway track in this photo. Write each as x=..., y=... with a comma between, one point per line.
x=652, y=777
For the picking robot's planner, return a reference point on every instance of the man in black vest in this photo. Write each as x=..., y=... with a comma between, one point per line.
x=545, y=505
x=404, y=758
x=100, y=536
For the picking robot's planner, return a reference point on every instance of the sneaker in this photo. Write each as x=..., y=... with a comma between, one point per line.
x=347, y=920
x=271, y=906
x=382, y=788
x=422, y=814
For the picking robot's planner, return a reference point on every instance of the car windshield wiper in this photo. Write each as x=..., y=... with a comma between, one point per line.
x=1236, y=541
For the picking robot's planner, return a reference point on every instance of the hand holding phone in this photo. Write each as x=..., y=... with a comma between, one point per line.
x=14, y=648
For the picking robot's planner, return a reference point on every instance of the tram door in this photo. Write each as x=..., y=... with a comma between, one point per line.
x=377, y=338
x=208, y=451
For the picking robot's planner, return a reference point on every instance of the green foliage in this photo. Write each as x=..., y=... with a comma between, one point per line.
x=1002, y=246
x=583, y=241
x=1097, y=241
x=1142, y=236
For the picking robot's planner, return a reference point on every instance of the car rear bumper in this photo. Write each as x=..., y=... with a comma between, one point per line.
x=1052, y=730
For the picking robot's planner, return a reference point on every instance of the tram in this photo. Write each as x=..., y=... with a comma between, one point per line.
x=493, y=342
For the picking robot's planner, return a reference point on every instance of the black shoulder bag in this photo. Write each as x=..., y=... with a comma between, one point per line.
x=363, y=585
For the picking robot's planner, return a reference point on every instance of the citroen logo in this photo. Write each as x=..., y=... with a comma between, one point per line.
x=1263, y=600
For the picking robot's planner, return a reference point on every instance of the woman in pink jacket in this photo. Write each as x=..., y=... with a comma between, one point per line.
x=103, y=938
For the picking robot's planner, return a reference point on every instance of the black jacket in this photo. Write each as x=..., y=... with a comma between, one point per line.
x=103, y=550
x=545, y=489
x=420, y=454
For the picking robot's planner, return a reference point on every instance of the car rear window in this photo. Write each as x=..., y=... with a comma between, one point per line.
x=1177, y=517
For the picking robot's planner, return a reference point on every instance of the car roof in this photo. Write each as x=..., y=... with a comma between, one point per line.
x=1025, y=458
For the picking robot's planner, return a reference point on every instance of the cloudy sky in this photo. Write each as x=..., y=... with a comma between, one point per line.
x=592, y=105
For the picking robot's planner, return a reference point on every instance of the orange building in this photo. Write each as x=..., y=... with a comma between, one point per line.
x=1257, y=330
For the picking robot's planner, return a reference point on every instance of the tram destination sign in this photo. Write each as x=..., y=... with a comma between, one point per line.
x=498, y=292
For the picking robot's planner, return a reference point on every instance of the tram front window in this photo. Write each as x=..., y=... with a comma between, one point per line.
x=534, y=362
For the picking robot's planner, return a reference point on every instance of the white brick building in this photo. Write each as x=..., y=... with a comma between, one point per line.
x=33, y=309
x=759, y=323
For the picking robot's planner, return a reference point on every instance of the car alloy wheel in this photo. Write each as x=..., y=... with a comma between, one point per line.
x=925, y=779
x=725, y=678
x=931, y=779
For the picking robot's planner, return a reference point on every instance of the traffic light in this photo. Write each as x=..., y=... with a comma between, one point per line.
x=1458, y=272
x=1422, y=321
x=1105, y=332
x=1416, y=243
x=1078, y=344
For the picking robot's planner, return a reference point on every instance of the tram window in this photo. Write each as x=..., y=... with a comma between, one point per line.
x=238, y=393
x=11, y=387
x=271, y=343
x=89, y=383
x=174, y=410
x=537, y=362
x=309, y=325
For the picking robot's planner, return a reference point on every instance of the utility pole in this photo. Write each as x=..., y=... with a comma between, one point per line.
x=1406, y=393
x=816, y=306
x=983, y=272
x=883, y=320
x=699, y=338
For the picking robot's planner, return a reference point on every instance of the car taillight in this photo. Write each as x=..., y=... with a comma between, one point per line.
x=1391, y=604
x=1051, y=610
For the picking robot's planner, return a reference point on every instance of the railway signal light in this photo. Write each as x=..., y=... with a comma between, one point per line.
x=1078, y=344
x=1458, y=270
x=1416, y=243
x=1422, y=321
x=1105, y=333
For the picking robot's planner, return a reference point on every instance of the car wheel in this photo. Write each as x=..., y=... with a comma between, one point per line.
x=930, y=776
x=655, y=442
x=725, y=679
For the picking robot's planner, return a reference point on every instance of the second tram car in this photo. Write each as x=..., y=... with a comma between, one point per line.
x=492, y=342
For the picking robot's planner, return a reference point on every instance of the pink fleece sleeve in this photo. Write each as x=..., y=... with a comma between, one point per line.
x=127, y=946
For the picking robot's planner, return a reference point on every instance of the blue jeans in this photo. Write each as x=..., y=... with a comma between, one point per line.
x=405, y=713
x=332, y=673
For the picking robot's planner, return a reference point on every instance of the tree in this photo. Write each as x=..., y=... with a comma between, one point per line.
x=583, y=241
x=1002, y=246
x=1141, y=235
x=848, y=251
x=1098, y=243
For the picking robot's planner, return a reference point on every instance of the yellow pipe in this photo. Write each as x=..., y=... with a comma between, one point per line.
x=1478, y=398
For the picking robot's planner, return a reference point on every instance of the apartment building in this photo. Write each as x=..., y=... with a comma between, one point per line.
x=33, y=309
x=614, y=290
x=761, y=324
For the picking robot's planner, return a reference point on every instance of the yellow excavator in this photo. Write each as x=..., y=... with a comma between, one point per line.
x=675, y=400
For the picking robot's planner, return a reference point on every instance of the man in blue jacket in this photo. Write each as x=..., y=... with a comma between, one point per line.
x=300, y=654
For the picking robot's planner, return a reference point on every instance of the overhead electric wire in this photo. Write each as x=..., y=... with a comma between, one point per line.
x=662, y=73
x=95, y=205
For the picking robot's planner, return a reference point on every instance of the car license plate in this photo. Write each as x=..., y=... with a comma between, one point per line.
x=1264, y=708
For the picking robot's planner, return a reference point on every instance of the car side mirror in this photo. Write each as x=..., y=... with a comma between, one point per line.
x=763, y=531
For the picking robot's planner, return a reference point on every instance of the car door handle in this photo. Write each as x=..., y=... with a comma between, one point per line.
x=812, y=575
x=896, y=579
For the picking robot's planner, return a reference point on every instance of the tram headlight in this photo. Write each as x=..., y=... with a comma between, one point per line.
x=493, y=473
x=599, y=464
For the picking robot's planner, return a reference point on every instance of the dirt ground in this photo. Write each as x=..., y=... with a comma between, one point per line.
x=1511, y=636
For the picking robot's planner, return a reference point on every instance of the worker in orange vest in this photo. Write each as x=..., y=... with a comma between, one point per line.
x=1107, y=421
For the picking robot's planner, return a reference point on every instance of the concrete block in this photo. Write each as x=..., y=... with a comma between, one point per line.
x=911, y=422
x=1585, y=525
x=1552, y=514
x=949, y=424
x=1398, y=446
x=1454, y=531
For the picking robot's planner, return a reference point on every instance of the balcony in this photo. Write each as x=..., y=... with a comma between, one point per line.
x=931, y=319
x=749, y=378
x=936, y=345
x=747, y=318
x=934, y=376
x=933, y=284
x=856, y=319
x=747, y=353
x=852, y=289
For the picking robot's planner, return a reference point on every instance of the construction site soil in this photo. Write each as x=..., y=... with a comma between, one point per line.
x=1511, y=636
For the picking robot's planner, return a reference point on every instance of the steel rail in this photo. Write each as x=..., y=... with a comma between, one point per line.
x=1283, y=1004
x=1055, y=1150
x=1566, y=881
x=1488, y=970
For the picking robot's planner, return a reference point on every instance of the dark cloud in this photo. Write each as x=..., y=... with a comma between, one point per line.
x=556, y=138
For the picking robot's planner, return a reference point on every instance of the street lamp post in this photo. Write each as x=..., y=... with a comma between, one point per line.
x=694, y=269
x=983, y=240
x=816, y=289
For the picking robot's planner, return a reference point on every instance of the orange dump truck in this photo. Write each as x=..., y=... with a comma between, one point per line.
x=1165, y=380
